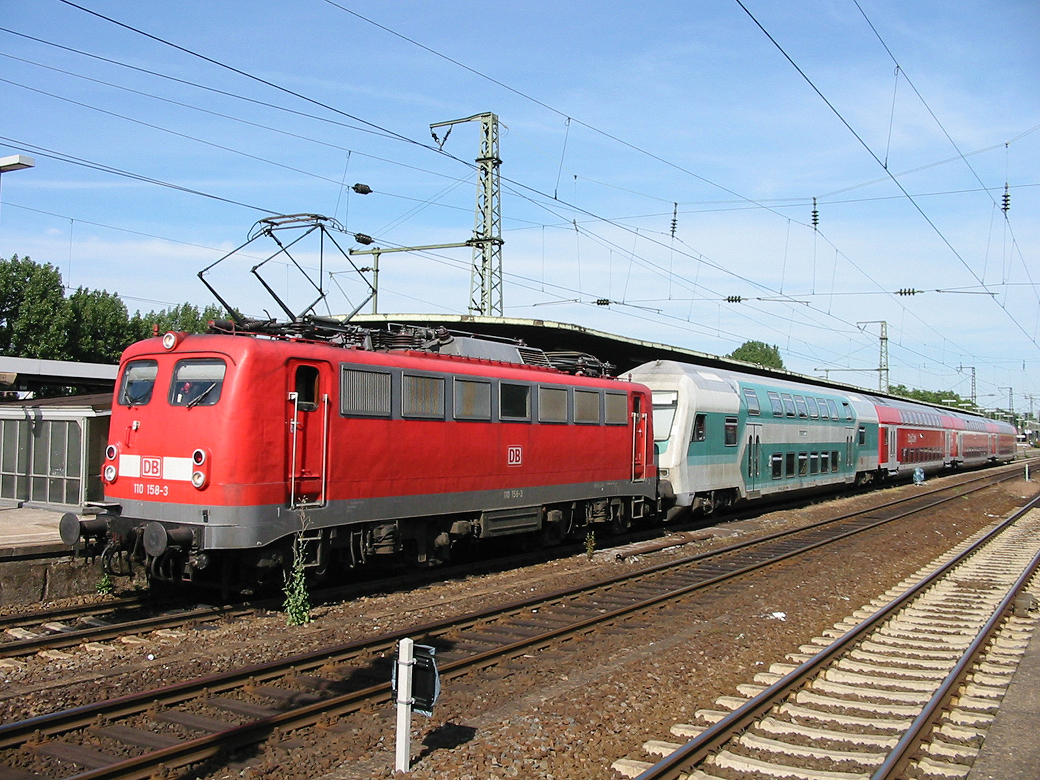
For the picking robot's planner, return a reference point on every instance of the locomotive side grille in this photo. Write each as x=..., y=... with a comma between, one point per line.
x=365, y=392
x=472, y=399
x=552, y=404
x=423, y=396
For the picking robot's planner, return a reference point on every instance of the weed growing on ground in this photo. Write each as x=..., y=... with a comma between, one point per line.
x=297, y=604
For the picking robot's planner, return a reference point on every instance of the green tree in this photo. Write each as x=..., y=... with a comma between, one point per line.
x=184, y=318
x=941, y=397
x=100, y=329
x=34, y=315
x=759, y=353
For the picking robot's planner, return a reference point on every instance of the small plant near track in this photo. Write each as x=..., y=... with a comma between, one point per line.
x=105, y=585
x=590, y=544
x=297, y=604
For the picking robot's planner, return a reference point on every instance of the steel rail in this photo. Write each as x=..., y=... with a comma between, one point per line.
x=64, y=639
x=202, y=748
x=681, y=762
x=78, y=717
x=903, y=752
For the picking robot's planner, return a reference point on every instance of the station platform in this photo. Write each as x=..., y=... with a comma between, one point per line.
x=35, y=565
x=25, y=531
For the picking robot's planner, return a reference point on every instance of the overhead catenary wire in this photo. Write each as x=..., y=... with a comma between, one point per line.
x=698, y=258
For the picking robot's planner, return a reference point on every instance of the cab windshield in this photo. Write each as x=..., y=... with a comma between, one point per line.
x=665, y=405
x=138, y=382
x=197, y=382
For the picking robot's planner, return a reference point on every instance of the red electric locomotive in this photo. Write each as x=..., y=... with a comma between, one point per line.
x=226, y=447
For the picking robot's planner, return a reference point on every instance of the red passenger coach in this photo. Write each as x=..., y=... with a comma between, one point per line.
x=224, y=448
x=913, y=435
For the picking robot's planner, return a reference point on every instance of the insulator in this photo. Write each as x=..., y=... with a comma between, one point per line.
x=815, y=214
x=908, y=291
x=362, y=189
x=603, y=302
x=361, y=238
x=733, y=299
x=675, y=218
x=1006, y=201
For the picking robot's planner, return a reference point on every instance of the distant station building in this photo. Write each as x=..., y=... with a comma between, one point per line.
x=51, y=449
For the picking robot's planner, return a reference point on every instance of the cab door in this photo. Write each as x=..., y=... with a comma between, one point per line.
x=307, y=429
x=639, y=439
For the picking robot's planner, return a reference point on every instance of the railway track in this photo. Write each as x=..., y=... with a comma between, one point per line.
x=906, y=685
x=195, y=721
x=66, y=627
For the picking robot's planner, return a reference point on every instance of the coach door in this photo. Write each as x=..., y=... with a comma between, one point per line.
x=308, y=433
x=753, y=458
x=639, y=440
x=850, y=450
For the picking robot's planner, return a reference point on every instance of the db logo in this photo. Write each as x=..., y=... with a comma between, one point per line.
x=151, y=467
x=514, y=456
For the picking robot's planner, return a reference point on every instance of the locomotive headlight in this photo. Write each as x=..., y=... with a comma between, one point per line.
x=198, y=457
x=198, y=479
x=110, y=473
x=111, y=452
x=171, y=339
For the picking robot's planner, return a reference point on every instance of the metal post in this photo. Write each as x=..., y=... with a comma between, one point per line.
x=486, y=274
x=403, y=744
x=375, y=280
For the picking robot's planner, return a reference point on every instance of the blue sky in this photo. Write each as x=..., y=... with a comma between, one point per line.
x=904, y=120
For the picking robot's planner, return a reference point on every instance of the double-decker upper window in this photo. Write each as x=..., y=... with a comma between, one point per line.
x=197, y=382
x=138, y=382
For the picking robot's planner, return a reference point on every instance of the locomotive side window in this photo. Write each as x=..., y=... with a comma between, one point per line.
x=138, y=382
x=615, y=407
x=364, y=392
x=515, y=401
x=307, y=388
x=472, y=399
x=751, y=397
x=665, y=405
x=422, y=396
x=586, y=406
x=552, y=404
x=731, y=431
x=774, y=401
x=197, y=382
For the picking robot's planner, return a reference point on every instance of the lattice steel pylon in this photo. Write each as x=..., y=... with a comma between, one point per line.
x=882, y=368
x=485, y=288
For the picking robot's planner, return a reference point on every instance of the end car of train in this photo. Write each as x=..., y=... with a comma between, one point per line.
x=225, y=449
x=723, y=436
